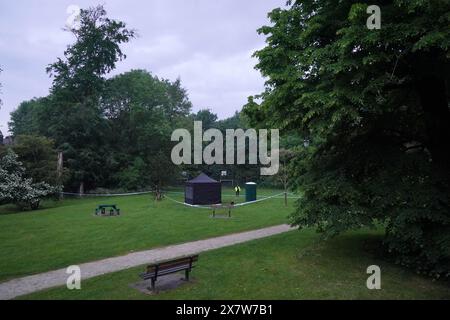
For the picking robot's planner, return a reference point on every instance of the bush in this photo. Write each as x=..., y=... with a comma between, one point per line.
x=16, y=189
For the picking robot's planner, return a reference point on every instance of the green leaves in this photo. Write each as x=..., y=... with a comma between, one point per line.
x=74, y=118
x=93, y=55
x=354, y=93
x=358, y=13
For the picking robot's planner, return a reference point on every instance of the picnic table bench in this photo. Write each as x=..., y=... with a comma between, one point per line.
x=102, y=209
x=217, y=207
x=156, y=270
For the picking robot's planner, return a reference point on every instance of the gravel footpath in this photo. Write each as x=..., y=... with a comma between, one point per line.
x=25, y=285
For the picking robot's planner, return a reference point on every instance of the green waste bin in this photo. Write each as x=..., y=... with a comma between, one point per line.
x=250, y=191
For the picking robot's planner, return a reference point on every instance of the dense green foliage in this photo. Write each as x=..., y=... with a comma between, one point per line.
x=39, y=158
x=372, y=109
x=29, y=117
x=142, y=111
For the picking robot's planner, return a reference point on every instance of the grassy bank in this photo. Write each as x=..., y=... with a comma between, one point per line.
x=293, y=265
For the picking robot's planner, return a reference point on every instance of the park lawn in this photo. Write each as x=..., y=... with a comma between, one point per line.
x=293, y=265
x=66, y=232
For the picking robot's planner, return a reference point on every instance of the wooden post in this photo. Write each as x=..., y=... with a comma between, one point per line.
x=285, y=190
x=189, y=269
x=81, y=191
x=153, y=284
x=59, y=169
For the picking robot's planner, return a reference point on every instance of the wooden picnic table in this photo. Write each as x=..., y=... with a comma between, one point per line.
x=101, y=208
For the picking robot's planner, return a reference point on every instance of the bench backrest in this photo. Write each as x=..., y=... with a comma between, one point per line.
x=101, y=207
x=185, y=261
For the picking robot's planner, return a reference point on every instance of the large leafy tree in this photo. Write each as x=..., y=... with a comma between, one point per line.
x=74, y=114
x=39, y=158
x=207, y=117
x=372, y=108
x=142, y=111
x=30, y=117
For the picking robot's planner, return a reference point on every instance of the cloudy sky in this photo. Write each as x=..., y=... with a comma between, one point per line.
x=207, y=43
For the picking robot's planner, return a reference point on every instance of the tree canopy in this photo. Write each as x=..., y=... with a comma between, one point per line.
x=372, y=109
x=93, y=55
x=38, y=157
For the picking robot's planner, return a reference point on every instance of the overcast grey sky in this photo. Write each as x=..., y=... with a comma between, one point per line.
x=207, y=43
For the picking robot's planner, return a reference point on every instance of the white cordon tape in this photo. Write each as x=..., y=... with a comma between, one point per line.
x=187, y=204
x=251, y=202
x=281, y=195
x=105, y=194
x=211, y=207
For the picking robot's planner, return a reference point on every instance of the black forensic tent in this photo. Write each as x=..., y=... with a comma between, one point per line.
x=203, y=190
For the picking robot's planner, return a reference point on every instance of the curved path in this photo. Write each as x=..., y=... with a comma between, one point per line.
x=21, y=286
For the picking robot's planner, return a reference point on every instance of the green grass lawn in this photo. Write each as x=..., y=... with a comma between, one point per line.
x=66, y=232
x=293, y=265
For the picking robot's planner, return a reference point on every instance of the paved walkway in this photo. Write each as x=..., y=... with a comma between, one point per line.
x=29, y=284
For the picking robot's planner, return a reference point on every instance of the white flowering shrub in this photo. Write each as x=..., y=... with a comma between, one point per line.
x=15, y=188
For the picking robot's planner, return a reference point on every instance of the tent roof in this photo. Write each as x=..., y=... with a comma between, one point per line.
x=202, y=178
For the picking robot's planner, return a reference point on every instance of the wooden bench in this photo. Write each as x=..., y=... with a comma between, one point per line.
x=102, y=209
x=167, y=267
x=217, y=207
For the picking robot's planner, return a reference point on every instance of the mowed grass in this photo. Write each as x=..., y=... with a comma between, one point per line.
x=292, y=265
x=66, y=232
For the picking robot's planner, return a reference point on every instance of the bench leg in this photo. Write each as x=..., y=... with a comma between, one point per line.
x=153, y=284
x=186, y=273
